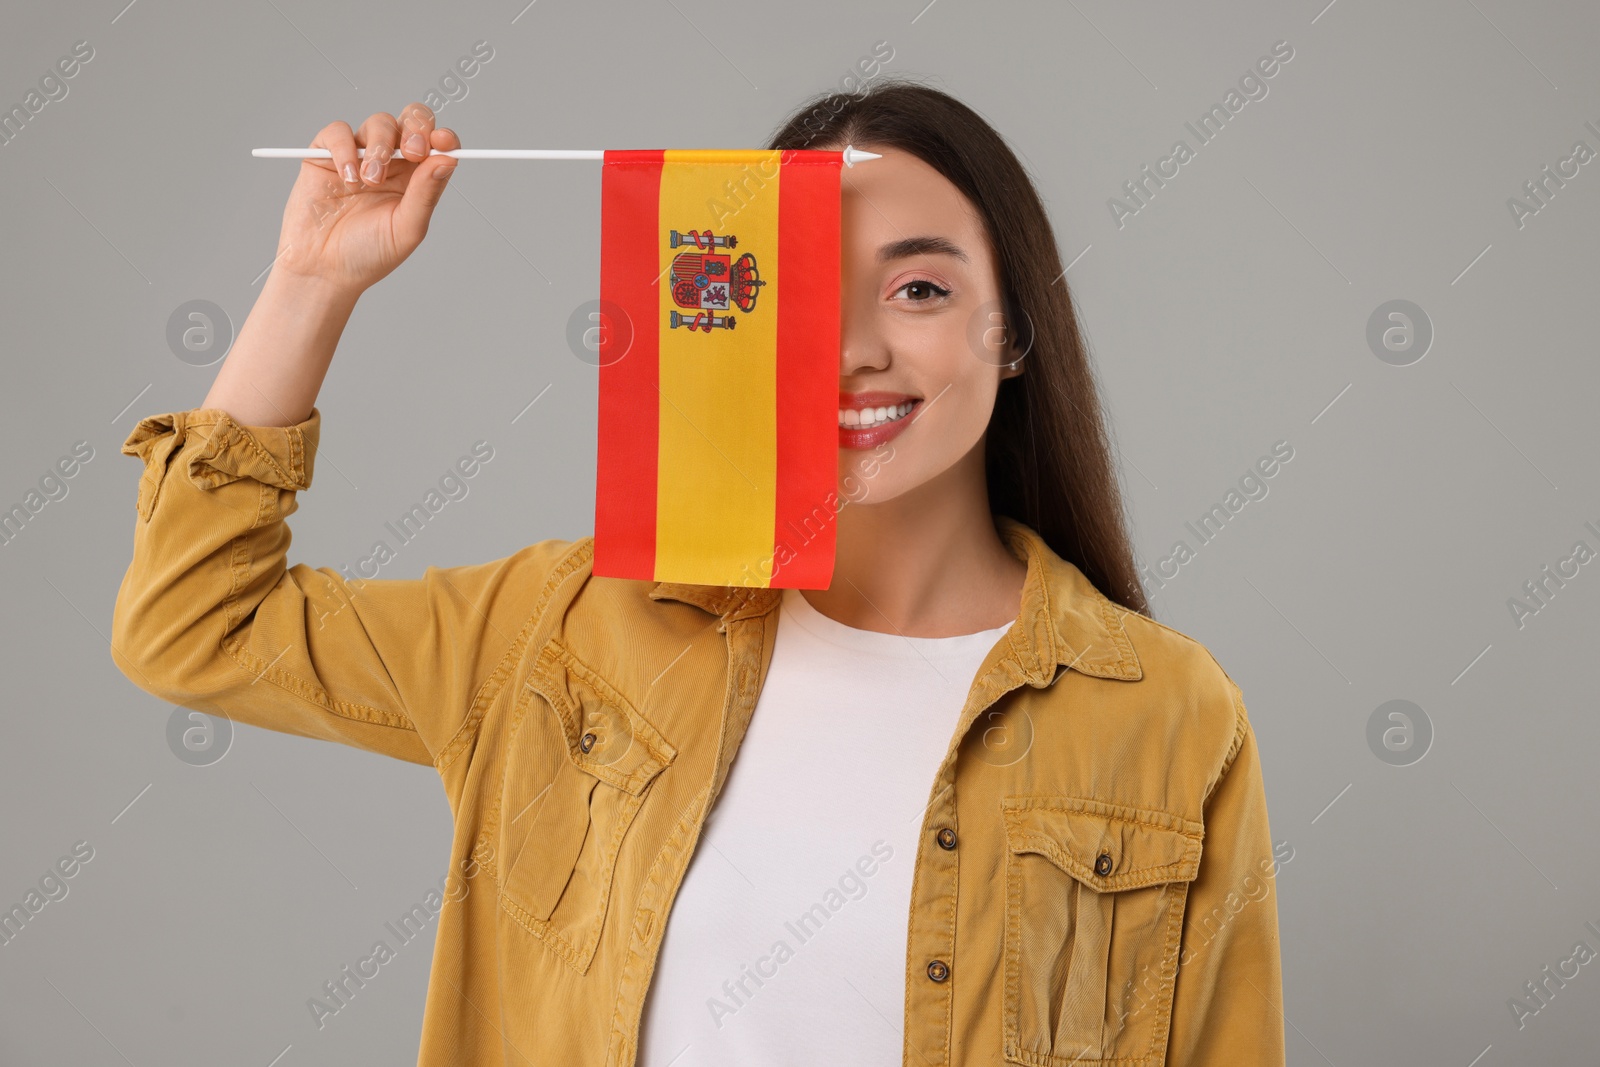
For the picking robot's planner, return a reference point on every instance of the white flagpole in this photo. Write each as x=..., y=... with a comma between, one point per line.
x=852, y=155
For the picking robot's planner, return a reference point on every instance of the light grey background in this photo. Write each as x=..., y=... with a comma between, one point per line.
x=1230, y=313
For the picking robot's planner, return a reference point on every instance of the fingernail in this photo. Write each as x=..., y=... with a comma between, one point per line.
x=372, y=169
x=415, y=145
x=444, y=172
x=350, y=173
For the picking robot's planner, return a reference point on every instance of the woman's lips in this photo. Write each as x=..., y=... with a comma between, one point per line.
x=857, y=438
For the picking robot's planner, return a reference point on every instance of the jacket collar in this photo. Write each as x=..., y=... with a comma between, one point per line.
x=1064, y=618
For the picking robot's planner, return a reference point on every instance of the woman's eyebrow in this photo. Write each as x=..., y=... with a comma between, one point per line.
x=918, y=246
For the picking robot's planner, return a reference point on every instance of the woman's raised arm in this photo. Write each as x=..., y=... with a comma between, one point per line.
x=349, y=222
x=209, y=615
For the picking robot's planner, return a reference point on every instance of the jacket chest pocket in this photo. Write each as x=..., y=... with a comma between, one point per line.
x=1094, y=907
x=562, y=835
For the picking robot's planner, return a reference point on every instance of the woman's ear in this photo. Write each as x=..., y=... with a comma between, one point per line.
x=1018, y=343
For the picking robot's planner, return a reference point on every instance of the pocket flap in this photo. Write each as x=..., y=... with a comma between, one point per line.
x=1134, y=847
x=606, y=736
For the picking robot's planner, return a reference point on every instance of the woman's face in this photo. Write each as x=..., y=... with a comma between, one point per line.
x=920, y=325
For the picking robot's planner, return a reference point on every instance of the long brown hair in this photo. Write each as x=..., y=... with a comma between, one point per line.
x=1048, y=454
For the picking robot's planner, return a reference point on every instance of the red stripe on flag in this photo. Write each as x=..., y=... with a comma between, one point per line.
x=627, y=446
x=808, y=370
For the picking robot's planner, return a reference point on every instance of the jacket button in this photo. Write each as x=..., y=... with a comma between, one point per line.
x=586, y=742
x=947, y=838
x=938, y=970
x=1102, y=864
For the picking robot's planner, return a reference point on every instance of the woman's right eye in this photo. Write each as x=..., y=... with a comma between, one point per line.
x=938, y=291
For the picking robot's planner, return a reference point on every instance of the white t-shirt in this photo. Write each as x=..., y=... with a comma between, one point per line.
x=787, y=941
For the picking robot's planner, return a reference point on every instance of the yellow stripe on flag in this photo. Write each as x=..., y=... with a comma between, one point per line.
x=718, y=411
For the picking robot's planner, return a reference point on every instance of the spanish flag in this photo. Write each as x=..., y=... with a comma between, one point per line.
x=719, y=367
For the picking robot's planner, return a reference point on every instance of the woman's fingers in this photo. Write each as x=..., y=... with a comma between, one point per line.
x=445, y=139
x=379, y=135
x=416, y=128
x=339, y=139
x=411, y=136
x=423, y=190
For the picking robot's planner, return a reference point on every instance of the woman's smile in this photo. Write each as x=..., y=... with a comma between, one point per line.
x=866, y=420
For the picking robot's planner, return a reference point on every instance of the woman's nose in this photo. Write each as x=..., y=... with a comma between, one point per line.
x=861, y=344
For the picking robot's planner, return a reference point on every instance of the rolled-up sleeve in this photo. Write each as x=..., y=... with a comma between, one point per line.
x=210, y=617
x=1228, y=1002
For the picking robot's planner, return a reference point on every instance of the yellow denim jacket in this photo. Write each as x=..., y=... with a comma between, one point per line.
x=1093, y=884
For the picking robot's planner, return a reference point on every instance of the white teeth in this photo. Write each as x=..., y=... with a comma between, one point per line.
x=867, y=418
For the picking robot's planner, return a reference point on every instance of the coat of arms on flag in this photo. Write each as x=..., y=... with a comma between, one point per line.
x=718, y=428
x=709, y=281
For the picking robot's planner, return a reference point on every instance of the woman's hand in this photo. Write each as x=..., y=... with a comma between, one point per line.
x=351, y=220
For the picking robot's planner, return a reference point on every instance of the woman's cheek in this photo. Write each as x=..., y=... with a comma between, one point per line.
x=969, y=402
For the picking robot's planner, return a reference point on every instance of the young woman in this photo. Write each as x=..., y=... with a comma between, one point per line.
x=984, y=808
